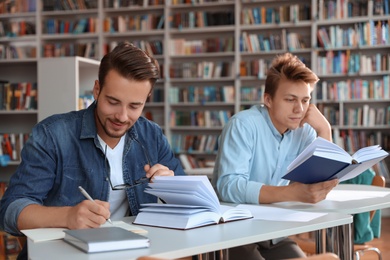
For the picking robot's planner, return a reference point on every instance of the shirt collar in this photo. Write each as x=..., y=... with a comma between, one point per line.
x=264, y=111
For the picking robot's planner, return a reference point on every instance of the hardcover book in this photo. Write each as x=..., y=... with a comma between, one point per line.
x=105, y=239
x=190, y=202
x=323, y=160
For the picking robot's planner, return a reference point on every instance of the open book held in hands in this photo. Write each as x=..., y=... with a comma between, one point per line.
x=323, y=160
x=190, y=202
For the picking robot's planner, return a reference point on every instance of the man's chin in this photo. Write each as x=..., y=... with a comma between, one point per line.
x=116, y=134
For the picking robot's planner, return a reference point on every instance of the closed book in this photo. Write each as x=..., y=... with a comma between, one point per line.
x=105, y=239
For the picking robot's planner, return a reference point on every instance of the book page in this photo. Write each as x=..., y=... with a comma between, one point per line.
x=368, y=153
x=321, y=145
x=234, y=213
x=186, y=190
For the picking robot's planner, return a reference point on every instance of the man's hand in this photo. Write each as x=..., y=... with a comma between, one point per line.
x=312, y=193
x=308, y=193
x=88, y=214
x=157, y=170
x=318, y=121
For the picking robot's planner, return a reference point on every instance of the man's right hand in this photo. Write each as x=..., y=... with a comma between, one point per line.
x=88, y=214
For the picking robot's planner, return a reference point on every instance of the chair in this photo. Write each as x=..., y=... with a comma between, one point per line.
x=361, y=249
x=308, y=246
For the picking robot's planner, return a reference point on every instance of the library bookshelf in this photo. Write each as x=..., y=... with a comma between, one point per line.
x=214, y=57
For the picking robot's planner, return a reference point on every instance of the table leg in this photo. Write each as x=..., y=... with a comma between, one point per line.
x=216, y=255
x=338, y=240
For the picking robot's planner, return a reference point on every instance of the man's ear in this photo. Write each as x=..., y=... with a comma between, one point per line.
x=96, y=89
x=267, y=100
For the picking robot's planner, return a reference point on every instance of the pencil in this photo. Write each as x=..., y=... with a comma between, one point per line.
x=85, y=193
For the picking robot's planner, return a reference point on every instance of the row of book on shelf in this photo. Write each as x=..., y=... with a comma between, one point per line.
x=134, y=22
x=255, y=42
x=328, y=10
x=12, y=144
x=257, y=68
x=9, y=245
x=60, y=5
x=66, y=49
x=19, y=50
x=364, y=115
x=343, y=62
x=18, y=96
x=200, y=19
x=190, y=162
x=367, y=116
x=16, y=28
x=189, y=143
x=202, y=118
x=128, y=3
x=181, y=46
x=61, y=26
x=354, y=89
x=194, y=94
x=369, y=33
x=17, y=6
x=202, y=69
x=276, y=15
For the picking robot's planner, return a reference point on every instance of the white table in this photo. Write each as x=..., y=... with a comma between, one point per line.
x=169, y=243
x=339, y=240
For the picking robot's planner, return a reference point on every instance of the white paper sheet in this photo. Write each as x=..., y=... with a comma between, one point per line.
x=279, y=214
x=347, y=195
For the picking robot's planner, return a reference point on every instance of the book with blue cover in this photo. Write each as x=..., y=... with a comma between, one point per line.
x=323, y=160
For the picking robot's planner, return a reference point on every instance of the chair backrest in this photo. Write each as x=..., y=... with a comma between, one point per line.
x=380, y=182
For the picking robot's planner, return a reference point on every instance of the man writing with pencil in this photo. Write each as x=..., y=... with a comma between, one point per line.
x=107, y=149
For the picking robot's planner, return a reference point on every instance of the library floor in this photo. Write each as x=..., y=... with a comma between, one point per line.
x=382, y=243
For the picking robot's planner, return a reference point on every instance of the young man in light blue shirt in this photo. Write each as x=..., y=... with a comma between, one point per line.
x=258, y=144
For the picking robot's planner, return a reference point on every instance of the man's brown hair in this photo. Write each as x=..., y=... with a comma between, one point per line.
x=290, y=67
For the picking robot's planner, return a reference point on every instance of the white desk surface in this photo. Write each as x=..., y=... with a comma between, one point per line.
x=346, y=207
x=169, y=243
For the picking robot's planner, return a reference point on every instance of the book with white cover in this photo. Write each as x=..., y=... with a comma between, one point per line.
x=190, y=202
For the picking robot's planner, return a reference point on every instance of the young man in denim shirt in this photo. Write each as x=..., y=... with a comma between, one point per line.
x=108, y=149
x=258, y=144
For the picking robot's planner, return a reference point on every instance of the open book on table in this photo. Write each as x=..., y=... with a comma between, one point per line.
x=323, y=160
x=190, y=202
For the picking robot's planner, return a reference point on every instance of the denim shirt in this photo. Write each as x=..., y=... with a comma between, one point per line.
x=63, y=152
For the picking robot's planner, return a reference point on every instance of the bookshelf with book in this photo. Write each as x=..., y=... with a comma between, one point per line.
x=206, y=46
x=18, y=111
x=200, y=86
x=353, y=63
x=142, y=23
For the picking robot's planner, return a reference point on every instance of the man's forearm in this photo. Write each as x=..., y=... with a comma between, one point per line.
x=37, y=216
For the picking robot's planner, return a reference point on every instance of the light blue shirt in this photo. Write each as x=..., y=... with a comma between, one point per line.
x=252, y=153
